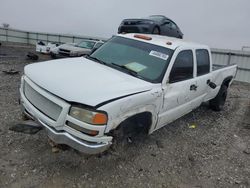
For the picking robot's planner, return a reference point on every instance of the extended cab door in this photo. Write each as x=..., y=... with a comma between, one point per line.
x=203, y=75
x=180, y=89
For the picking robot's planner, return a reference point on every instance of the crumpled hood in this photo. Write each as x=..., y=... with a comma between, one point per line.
x=73, y=48
x=83, y=81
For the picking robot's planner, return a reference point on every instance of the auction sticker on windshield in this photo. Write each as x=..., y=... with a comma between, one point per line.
x=159, y=55
x=134, y=66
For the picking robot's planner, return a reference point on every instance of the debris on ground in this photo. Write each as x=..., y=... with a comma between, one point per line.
x=27, y=127
x=159, y=144
x=55, y=148
x=192, y=126
x=129, y=140
x=247, y=151
x=32, y=56
x=11, y=71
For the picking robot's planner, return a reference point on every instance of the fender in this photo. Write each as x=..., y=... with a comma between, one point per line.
x=122, y=109
x=227, y=81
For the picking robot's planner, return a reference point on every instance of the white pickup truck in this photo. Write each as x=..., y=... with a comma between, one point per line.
x=134, y=81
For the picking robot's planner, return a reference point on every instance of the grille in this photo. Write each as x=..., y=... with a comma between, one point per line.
x=44, y=105
x=64, y=52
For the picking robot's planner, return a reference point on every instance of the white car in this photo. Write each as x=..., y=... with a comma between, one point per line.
x=46, y=49
x=133, y=81
x=84, y=47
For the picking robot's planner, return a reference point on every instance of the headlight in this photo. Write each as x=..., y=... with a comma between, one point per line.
x=88, y=116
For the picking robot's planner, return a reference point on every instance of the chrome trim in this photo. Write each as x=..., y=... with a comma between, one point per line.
x=80, y=145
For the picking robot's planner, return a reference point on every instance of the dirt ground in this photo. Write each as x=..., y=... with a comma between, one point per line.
x=216, y=153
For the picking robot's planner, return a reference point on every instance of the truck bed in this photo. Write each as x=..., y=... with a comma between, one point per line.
x=217, y=67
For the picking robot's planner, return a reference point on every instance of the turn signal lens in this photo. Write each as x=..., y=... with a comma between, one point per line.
x=99, y=119
x=81, y=129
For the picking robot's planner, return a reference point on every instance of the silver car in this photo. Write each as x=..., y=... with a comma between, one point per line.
x=84, y=47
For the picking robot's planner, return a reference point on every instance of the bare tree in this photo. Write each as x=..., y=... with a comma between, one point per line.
x=6, y=25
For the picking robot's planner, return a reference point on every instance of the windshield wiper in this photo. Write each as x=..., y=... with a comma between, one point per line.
x=95, y=59
x=132, y=72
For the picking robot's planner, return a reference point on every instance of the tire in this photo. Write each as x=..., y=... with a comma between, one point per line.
x=53, y=56
x=130, y=130
x=156, y=31
x=123, y=131
x=119, y=139
x=218, y=102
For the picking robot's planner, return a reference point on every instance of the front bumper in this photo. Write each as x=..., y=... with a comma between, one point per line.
x=80, y=145
x=59, y=132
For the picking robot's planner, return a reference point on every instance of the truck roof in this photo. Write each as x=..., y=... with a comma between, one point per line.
x=160, y=40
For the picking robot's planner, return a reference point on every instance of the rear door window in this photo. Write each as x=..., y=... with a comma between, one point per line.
x=203, y=62
x=183, y=67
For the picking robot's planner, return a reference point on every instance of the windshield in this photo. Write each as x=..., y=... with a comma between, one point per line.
x=86, y=44
x=148, y=61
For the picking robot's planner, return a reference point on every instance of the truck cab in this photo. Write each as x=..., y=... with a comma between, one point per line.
x=133, y=81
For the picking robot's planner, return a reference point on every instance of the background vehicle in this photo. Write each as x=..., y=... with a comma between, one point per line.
x=84, y=47
x=46, y=49
x=132, y=83
x=156, y=24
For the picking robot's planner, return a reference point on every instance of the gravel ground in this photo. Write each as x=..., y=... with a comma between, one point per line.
x=216, y=153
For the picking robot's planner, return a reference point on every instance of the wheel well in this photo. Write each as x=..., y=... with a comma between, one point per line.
x=138, y=123
x=227, y=81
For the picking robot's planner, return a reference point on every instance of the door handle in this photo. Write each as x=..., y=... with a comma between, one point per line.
x=193, y=87
x=211, y=84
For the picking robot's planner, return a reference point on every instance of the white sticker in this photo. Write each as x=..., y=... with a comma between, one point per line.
x=134, y=66
x=159, y=55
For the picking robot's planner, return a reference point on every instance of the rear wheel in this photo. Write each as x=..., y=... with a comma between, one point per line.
x=156, y=31
x=218, y=102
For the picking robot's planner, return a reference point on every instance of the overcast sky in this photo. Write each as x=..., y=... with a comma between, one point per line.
x=217, y=23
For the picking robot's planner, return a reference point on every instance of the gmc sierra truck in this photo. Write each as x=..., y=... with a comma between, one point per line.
x=133, y=81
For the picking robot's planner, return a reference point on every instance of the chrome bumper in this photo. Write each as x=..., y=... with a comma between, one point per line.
x=80, y=145
x=62, y=137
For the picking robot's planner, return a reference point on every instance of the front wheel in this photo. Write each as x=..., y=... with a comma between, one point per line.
x=218, y=102
x=52, y=55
